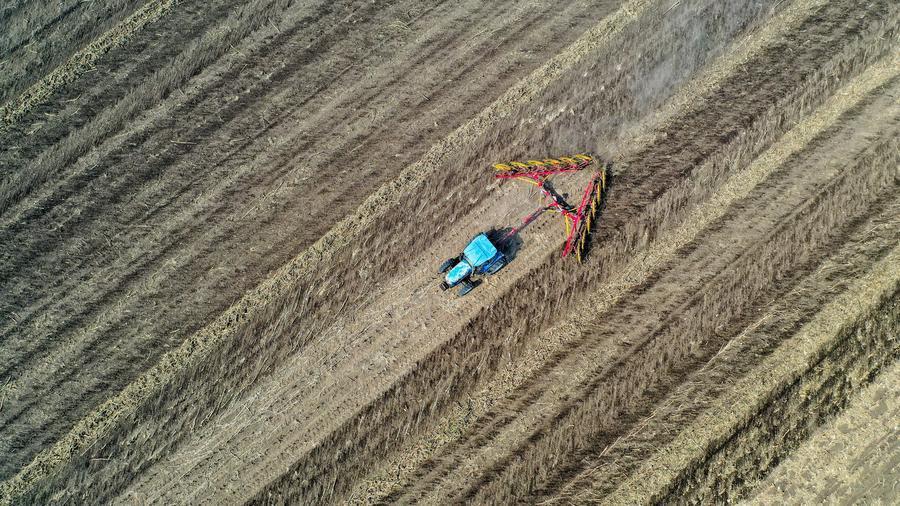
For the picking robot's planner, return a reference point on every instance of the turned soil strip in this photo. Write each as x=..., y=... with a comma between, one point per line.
x=88, y=430
x=735, y=409
x=83, y=60
x=639, y=269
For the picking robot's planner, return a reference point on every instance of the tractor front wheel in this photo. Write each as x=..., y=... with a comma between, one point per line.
x=448, y=263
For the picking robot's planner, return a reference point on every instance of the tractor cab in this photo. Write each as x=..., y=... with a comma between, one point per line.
x=479, y=258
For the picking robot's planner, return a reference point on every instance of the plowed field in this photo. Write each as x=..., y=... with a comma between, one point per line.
x=221, y=222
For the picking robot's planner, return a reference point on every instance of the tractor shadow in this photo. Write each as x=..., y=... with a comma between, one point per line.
x=509, y=247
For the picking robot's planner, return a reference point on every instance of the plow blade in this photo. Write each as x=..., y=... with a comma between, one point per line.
x=542, y=168
x=588, y=214
x=578, y=220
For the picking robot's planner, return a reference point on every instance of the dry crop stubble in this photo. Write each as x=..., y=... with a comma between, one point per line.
x=150, y=193
x=138, y=249
x=75, y=223
x=152, y=88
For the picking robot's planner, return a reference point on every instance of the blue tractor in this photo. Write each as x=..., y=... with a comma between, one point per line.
x=479, y=258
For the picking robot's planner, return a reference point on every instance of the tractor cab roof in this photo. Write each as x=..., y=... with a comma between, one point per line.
x=479, y=251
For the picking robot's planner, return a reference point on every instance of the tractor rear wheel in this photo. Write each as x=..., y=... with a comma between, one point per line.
x=467, y=286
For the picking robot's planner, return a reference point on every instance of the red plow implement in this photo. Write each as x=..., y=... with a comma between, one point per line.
x=577, y=218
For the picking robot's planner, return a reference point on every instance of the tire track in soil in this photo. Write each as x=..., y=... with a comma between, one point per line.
x=61, y=380
x=559, y=383
x=526, y=94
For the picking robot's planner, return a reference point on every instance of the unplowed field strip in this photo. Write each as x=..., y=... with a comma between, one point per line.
x=123, y=276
